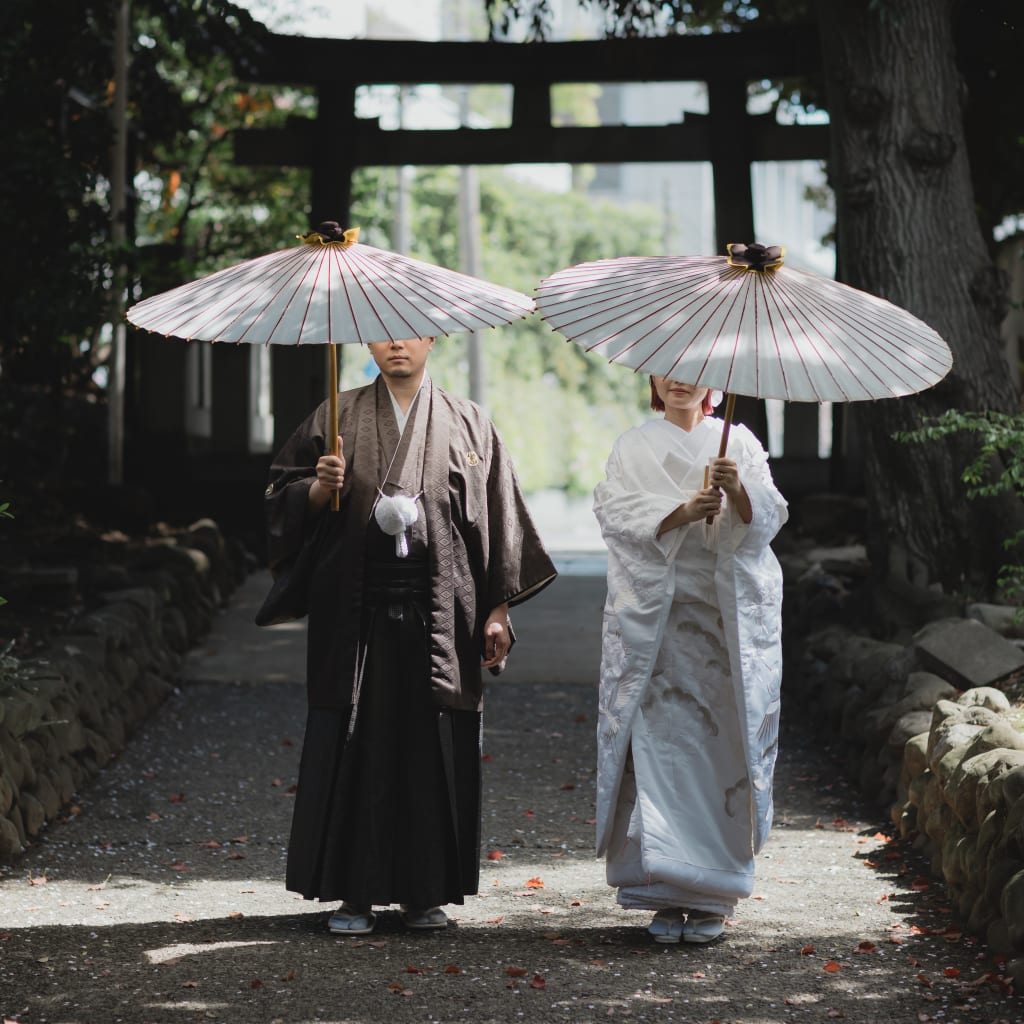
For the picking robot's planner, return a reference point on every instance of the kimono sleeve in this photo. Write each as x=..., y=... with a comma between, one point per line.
x=518, y=566
x=770, y=510
x=286, y=498
x=633, y=500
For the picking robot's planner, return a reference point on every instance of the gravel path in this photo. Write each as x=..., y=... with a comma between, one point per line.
x=159, y=897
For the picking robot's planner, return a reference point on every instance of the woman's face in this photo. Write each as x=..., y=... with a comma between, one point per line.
x=678, y=396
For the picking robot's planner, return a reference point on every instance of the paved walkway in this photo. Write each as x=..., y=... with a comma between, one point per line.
x=159, y=898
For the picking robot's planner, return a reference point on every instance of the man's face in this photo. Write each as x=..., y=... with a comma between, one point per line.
x=401, y=359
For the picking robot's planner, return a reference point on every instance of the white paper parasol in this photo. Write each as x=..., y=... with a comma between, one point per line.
x=329, y=290
x=744, y=324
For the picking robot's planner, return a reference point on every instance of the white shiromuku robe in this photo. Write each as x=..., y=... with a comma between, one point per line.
x=691, y=669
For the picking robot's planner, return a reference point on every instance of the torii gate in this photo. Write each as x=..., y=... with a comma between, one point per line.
x=727, y=137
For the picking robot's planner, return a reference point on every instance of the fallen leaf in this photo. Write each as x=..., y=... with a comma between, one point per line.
x=516, y=972
x=275, y=782
x=190, y=984
x=834, y=1013
x=409, y=969
x=920, y=884
x=153, y=817
x=528, y=814
x=255, y=983
x=236, y=856
x=486, y=757
x=832, y=966
x=178, y=865
x=236, y=914
x=184, y=918
x=452, y=969
x=951, y=972
x=239, y=839
x=176, y=798
x=211, y=844
x=290, y=976
x=567, y=785
x=865, y=947
x=538, y=981
x=495, y=855
x=807, y=950
x=495, y=920
x=534, y=883
x=37, y=880
x=923, y=978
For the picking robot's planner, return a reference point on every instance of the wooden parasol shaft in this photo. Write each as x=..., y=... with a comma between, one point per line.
x=333, y=424
x=730, y=405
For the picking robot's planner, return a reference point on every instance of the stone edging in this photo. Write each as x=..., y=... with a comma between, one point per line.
x=70, y=708
x=926, y=729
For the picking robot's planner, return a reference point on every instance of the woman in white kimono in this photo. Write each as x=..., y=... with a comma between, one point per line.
x=691, y=665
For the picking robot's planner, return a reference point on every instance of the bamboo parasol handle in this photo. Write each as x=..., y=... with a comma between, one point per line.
x=333, y=417
x=730, y=404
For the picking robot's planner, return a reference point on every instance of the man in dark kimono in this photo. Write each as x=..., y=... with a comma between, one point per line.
x=408, y=600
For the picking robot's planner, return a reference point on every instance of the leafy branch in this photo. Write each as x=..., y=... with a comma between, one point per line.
x=997, y=468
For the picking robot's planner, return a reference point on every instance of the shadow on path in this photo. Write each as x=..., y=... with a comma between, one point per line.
x=160, y=898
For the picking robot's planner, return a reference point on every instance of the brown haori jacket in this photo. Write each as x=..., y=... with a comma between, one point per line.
x=482, y=547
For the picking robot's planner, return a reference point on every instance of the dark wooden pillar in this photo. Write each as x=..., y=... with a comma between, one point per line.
x=301, y=373
x=334, y=153
x=729, y=131
x=800, y=430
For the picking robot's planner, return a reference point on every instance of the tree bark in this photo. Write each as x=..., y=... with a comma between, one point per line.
x=907, y=231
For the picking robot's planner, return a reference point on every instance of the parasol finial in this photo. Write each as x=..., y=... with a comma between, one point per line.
x=330, y=233
x=755, y=256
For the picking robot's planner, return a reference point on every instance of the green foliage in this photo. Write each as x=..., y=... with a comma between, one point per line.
x=644, y=17
x=997, y=468
x=56, y=134
x=557, y=408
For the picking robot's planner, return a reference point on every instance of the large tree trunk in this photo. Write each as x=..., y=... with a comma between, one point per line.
x=907, y=231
